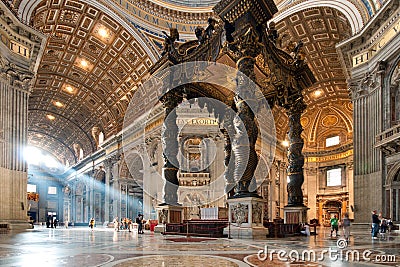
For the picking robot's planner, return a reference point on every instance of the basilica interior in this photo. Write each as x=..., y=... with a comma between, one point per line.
x=252, y=112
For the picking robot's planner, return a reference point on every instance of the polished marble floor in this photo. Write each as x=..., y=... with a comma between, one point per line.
x=80, y=246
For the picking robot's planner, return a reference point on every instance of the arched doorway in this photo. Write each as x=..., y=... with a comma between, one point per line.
x=330, y=209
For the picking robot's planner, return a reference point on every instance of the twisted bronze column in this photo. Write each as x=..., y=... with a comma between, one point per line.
x=169, y=140
x=295, y=156
x=229, y=163
x=246, y=131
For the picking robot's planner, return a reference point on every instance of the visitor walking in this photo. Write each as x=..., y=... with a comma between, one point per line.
x=346, y=226
x=91, y=223
x=335, y=225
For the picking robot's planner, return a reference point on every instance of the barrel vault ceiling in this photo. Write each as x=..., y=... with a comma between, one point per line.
x=97, y=54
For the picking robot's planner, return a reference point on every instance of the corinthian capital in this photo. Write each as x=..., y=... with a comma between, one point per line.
x=17, y=77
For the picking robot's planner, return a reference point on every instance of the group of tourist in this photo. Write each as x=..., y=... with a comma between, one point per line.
x=126, y=224
x=51, y=222
x=380, y=225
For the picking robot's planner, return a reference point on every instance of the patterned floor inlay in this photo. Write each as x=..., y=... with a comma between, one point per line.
x=253, y=261
x=106, y=248
x=179, y=261
x=189, y=239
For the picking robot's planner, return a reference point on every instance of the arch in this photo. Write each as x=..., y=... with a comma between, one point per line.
x=347, y=8
x=314, y=125
x=388, y=87
x=27, y=7
x=344, y=117
x=132, y=167
x=392, y=174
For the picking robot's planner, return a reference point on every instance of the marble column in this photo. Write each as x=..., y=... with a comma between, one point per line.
x=14, y=95
x=169, y=138
x=107, y=166
x=16, y=73
x=116, y=188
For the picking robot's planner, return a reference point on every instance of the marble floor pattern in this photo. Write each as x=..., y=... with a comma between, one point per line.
x=80, y=246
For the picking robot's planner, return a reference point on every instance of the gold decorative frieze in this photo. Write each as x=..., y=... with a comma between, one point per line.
x=164, y=18
x=330, y=157
x=378, y=44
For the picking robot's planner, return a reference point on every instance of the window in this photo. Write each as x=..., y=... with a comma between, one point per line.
x=101, y=138
x=332, y=141
x=334, y=177
x=80, y=153
x=31, y=188
x=52, y=190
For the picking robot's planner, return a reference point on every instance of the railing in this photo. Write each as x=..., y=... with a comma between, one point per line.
x=388, y=136
x=209, y=228
x=282, y=229
x=4, y=228
x=194, y=179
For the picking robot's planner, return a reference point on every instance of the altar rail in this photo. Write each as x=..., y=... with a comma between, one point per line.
x=209, y=228
x=282, y=229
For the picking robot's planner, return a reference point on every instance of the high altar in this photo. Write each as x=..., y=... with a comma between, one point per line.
x=265, y=76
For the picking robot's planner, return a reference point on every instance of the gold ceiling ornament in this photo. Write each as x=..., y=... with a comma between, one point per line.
x=317, y=93
x=69, y=89
x=58, y=104
x=103, y=33
x=83, y=64
x=50, y=117
x=330, y=120
x=304, y=121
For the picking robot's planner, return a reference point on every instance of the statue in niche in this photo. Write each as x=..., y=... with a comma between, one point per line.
x=67, y=191
x=153, y=153
x=169, y=41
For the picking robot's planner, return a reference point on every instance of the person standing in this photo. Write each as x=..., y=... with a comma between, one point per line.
x=48, y=221
x=346, y=226
x=139, y=221
x=306, y=230
x=375, y=224
x=129, y=225
x=116, y=224
x=334, y=225
x=91, y=223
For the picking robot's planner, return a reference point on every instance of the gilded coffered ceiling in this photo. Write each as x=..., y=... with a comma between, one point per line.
x=88, y=73
x=329, y=110
x=97, y=53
